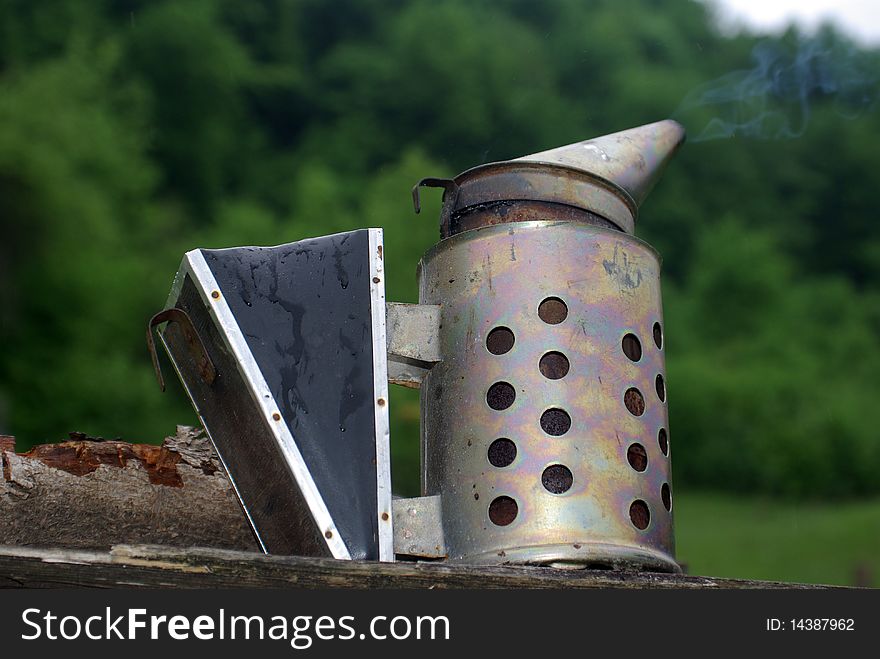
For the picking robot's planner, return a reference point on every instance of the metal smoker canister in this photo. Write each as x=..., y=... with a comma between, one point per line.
x=545, y=426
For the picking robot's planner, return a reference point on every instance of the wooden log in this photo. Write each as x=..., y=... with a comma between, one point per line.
x=150, y=567
x=87, y=493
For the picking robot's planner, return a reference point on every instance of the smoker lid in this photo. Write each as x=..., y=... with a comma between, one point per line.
x=609, y=176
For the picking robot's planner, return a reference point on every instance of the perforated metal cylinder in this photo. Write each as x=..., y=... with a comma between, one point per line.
x=545, y=426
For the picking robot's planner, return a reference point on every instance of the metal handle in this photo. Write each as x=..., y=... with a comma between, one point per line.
x=450, y=188
x=193, y=342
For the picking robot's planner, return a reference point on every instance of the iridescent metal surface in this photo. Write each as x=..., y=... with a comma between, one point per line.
x=632, y=159
x=546, y=496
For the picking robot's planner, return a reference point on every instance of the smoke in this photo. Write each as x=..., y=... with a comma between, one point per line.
x=773, y=99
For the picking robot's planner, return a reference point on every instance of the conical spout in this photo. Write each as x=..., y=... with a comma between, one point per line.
x=601, y=181
x=632, y=159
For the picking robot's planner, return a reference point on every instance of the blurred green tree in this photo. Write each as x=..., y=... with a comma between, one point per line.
x=133, y=131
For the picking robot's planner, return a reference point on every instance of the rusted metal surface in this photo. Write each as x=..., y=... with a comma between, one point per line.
x=606, y=177
x=191, y=339
x=566, y=494
x=502, y=212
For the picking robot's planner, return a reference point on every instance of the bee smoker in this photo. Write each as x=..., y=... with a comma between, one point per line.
x=544, y=427
x=537, y=343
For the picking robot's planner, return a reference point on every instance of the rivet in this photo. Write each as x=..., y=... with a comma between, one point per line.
x=276, y=416
x=215, y=294
x=328, y=534
x=384, y=517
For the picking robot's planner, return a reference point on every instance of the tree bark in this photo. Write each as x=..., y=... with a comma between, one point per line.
x=87, y=493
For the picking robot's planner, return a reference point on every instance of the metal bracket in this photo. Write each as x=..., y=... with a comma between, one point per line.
x=418, y=527
x=193, y=342
x=412, y=341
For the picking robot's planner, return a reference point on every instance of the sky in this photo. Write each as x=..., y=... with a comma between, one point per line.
x=860, y=18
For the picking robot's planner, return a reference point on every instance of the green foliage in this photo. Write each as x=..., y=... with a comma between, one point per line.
x=131, y=132
x=196, y=72
x=78, y=250
x=758, y=538
x=771, y=369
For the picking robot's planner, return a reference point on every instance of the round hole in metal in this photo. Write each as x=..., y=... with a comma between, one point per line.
x=639, y=514
x=637, y=457
x=503, y=510
x=632, y=347
x=658, y=336
x=501, y=395
x=660, y=385
x=666, y=496
x=555, y=422
x=502, y=452
x=634, y=401
x=663, y=440
x=557, y=479
x=554, y=365
x=552, y=310
x=500, y=340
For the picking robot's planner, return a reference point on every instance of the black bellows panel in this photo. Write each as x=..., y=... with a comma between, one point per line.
x=292, y=331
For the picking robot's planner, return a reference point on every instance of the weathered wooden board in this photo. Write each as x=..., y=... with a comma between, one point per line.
x=151, y=566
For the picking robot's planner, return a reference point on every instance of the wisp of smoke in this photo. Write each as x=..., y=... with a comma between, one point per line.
x=772, y=100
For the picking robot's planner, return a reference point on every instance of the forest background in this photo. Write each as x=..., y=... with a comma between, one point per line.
x=133, y=131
